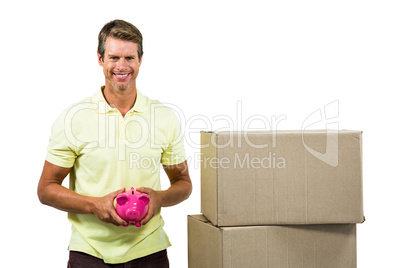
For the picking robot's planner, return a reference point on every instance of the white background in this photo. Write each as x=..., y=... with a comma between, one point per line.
x=275, y=58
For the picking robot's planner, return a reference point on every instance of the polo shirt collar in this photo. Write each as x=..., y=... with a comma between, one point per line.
x=140, y=104
x=103, y=107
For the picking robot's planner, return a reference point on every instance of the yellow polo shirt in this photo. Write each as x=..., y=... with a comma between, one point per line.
x=109, y=152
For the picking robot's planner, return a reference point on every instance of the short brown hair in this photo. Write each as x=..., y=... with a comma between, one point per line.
x=120, y=29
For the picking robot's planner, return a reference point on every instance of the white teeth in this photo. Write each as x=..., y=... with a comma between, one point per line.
x=121, y=75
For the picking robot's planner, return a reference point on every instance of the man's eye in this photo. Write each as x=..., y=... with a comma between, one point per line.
x=114, y=58
x=129, y=58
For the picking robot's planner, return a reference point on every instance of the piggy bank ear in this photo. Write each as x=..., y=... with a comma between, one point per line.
x=144, y=198
x=121, y=199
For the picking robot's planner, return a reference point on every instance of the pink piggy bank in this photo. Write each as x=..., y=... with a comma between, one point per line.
x=132, y=206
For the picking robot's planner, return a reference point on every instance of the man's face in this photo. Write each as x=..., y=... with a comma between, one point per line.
x=120, y=63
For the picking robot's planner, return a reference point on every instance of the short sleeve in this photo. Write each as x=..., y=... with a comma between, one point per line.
x=60, y=150
x=174, y=153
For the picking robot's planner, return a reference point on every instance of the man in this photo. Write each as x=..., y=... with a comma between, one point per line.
x=110, y=142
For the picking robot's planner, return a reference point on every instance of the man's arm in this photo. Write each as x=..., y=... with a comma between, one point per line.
x=179, y=190
x=52, y=193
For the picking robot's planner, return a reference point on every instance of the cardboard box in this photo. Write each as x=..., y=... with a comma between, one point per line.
x=329, y=246
x=283, y=177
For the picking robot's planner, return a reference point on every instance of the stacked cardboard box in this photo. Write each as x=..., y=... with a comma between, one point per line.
x=278, y=199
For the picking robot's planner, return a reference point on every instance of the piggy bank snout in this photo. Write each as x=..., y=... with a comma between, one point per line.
x=132, y=214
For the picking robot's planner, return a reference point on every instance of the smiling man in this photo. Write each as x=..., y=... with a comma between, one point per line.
x=120, y=64
x=94, y=140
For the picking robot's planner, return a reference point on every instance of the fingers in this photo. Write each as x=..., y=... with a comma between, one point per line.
x=151, y=206
x=109, y=215
x=116, y=193
x=106, y=211
x=116, y=220
x=149, y=216
x=144, y=190
x=154, y=204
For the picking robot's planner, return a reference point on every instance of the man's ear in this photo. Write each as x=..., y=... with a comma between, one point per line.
x=100, y=60
x=142, y=56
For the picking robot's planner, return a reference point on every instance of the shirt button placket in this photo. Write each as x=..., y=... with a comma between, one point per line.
x=122, y=132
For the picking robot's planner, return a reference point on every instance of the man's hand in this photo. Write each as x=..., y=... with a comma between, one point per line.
x=155, y=202
x=104, y=208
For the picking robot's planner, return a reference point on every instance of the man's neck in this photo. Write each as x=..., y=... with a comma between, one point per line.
x=122, y=100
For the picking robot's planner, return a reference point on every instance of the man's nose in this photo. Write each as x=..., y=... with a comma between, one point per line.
x=122, y=63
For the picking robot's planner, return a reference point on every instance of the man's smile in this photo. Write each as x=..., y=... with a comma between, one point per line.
x=121, y=76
